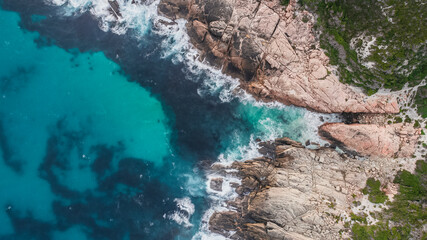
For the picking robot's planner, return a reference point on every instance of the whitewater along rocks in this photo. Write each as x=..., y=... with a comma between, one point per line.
x=115, y=8
x=216, y=184
x=297, y=193
x=394, y=140
x=273, y=50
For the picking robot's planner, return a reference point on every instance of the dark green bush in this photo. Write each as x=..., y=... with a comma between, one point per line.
x=402, y=61
x=284, y=2
x=373, y=189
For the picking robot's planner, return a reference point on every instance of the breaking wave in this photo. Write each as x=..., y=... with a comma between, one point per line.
x=142, y=18
x=185, y=210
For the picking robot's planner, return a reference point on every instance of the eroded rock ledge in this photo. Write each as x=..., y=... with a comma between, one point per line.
x=394, y=140
x=274, y=52
x=297, y=193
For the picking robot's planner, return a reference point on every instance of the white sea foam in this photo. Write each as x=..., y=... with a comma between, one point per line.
x=176, y=45
x=134, y=15
x=194, y=185
x=215, y=83
x=185, y=210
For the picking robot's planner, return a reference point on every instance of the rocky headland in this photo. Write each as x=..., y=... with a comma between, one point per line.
x=293, y=192
x=389, y=140
x=274, y=51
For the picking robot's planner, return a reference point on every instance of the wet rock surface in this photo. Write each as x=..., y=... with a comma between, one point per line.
x=216, y=184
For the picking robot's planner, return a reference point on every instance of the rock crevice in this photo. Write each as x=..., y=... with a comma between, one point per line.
x=297, y=193
x=274, y=52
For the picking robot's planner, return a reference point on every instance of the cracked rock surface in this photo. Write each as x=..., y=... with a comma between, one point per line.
x=394, y=140
x=273, y=50
x=298, y=193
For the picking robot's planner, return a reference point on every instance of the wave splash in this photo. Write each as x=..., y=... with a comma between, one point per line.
x=136, y=15
x=215, y=83
x=141, y=17
x=185, y=210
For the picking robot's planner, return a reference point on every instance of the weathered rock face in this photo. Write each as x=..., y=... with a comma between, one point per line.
x=294, y=191
x=216, y=184
x=395, y=140
x=174, y=9
x=297, y=193
x=274, y=51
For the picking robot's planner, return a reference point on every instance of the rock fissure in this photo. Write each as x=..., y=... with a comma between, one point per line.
x=293, y=192
x=308, y=195
x=266, y=32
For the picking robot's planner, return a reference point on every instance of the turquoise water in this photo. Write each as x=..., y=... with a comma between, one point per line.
x=47, y=91
x=102, y=137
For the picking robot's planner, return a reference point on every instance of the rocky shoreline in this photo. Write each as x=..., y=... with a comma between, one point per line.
x=293, y=192
x=274, y=51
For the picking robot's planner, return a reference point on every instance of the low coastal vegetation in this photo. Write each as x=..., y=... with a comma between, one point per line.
x=421, y=101
x=375, y=43
x=373, y=190
x=406, y=214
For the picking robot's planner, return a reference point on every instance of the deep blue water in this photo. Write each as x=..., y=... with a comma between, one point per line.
x=101, y=135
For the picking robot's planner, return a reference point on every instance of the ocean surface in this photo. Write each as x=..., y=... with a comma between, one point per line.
x=108, y=126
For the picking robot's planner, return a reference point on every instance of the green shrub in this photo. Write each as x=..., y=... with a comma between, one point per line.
x=340, y=21
x=284, y=2
x=406, y=211
x=373, y=189
x=417, y=124
x=398, y=120
x=408, y=204
x=357, y=218
x=380, y=231
x=421, y=101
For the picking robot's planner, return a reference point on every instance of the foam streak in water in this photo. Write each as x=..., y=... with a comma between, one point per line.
x=268, y=120
x=136, y=15
x=185, y=211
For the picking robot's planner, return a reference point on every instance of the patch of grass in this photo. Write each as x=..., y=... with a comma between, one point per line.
x=408, y=204
x=421, y=101
x=406, y=213
x=380, y=231
x=373, y=189
x=284, y=2
x=417, y=124
x=357, y=218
